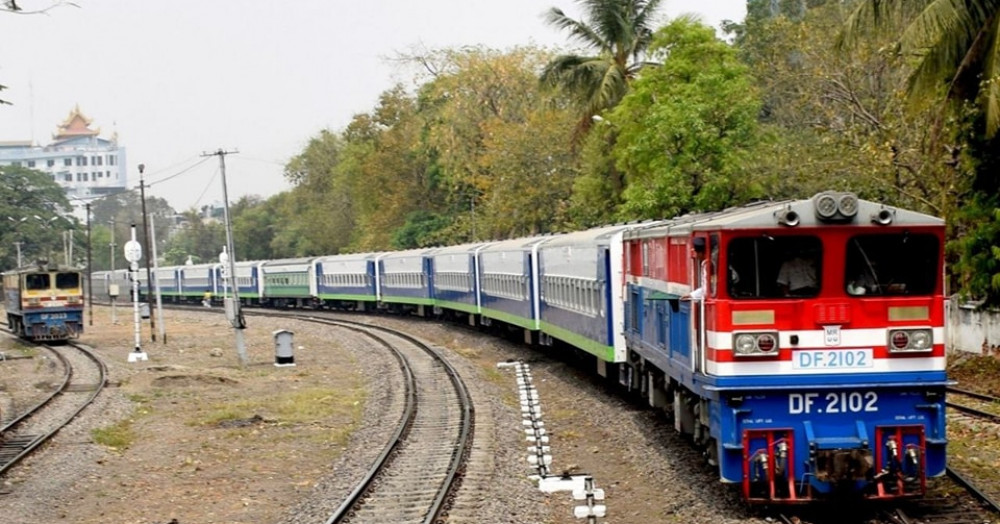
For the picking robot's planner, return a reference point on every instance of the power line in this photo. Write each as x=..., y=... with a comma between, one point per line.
x=175, y=175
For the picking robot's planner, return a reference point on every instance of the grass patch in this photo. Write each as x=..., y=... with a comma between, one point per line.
x=309, y=406
x=496, y=376
x=118, y=436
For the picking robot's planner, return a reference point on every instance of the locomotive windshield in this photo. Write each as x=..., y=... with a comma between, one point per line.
x=891, y=264
x=36, y=281
x=774, y=267
x=67, y=280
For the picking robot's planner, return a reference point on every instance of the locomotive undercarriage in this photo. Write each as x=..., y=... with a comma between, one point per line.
x=689, y=412
x=771, y=472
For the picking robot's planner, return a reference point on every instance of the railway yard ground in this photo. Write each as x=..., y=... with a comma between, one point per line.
x=192, y=437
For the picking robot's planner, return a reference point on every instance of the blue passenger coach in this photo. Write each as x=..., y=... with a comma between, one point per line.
x=508, y=273
x=198, y=281
x=346, y=281
x=456, y=279
x=406, y=281
x=248, y=282
x=582, y=277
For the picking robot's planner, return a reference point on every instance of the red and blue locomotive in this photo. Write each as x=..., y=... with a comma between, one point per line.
x=799, y=343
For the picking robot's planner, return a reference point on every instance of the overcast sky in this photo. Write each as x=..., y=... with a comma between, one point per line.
x=179, y=78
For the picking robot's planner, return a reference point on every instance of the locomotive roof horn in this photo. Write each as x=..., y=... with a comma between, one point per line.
x=787, y=217
x=883, y=216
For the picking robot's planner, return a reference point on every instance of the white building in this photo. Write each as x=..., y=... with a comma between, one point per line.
x=81, y=162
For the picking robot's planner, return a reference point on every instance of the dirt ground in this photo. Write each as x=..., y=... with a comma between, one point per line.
x=197, y=427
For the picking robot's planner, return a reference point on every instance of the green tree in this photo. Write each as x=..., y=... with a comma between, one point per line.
x=688, y=127
x=839, y=117
x=499, y=145
x=119, y=211
x=33, y=215
x=200, y=239
x=617, y=32
x=955, y=46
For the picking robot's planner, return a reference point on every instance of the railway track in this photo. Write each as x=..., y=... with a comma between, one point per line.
x=978, y=405
x=84, y=376
x=421, y=465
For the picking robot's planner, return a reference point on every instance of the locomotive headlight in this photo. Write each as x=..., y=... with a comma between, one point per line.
x=920, y=340
x=745, y=344
x=826, y=205
x=899, y=339
x=910, y=340
x=831, y=206
x=755, y=344
x=766, y=343
x=848, y=204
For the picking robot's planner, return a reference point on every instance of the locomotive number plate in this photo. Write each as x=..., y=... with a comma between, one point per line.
x=54, y=316
x=833, y=359
x=833, y=402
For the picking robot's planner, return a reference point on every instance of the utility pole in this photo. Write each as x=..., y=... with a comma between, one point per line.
x=159, y=295
x=18, y=244
x=145, y=247
x=236, y=316
x=90, y=285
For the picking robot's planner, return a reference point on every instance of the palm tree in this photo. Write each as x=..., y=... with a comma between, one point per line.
x=618, y=31
x=956, y=44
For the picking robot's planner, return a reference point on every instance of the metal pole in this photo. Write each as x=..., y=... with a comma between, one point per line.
x=90, y=273
x=238, y=322
x=145, y=240
x=114, y=317
x=159, y=297
x=18, y=244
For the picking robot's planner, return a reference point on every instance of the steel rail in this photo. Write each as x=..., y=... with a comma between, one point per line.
x=30, y=443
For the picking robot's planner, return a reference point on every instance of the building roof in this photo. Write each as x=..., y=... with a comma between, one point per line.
x=16, y=143
x=75, y=125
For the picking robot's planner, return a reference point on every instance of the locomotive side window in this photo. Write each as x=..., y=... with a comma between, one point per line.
x=36, y=281
x=891, y=264
x=774, y=267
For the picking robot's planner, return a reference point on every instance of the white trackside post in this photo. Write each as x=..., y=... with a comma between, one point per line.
x=133, y=253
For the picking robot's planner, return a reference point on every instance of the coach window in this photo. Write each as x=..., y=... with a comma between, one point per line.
x=755, y=266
